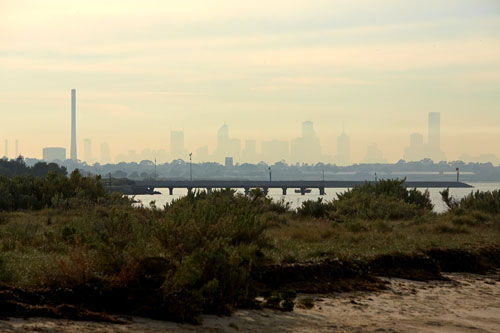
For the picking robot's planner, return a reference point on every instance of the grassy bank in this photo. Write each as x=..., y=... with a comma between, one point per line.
x=205, y=253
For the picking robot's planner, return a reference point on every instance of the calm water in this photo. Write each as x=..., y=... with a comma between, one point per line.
x=296, y=199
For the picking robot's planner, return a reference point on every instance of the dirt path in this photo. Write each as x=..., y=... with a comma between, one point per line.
x=467, y=303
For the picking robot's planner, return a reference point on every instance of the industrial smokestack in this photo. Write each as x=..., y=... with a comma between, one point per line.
x=73, y=155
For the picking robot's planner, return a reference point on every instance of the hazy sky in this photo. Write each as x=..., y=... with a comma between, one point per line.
x=142, y=68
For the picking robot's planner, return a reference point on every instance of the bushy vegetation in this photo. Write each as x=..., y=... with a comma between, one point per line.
x=207, y=244
x=201, y=253
x=54, y=190
x=486, y=202
x=213, y=241
x=385, y=199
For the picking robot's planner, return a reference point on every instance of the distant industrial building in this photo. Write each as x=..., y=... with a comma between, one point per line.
x=54, y=154
x=228, y=162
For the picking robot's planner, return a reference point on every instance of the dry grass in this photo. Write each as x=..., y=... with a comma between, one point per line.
x=314, y=239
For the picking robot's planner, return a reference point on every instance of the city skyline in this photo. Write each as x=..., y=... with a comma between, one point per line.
x=303, y=149
x=261, y=68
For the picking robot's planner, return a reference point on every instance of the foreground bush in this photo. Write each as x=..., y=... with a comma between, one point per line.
x=213, y=241
x=195, y=256
x=485, y=202
x=385, y=199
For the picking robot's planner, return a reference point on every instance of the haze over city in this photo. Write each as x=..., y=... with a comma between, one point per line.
x=265, y=74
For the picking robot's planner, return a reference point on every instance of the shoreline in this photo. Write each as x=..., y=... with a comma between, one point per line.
x=462, y=303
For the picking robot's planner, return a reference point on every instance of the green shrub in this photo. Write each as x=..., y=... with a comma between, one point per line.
x=55, y=190
x=316, y=209
x=213, y=241
x=473, y=209
x=385, y=199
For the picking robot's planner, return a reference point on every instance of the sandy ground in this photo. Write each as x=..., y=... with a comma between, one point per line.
x=467, y=303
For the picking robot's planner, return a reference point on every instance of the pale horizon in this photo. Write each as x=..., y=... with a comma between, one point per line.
x=143, y=69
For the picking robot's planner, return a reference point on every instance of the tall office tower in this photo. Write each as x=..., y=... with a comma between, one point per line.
x=416, y=150
x=343, y=149
x=17, y=149
x=201, y=154
x=6, y=148
x=306, y=149
x=87, y=151
x=275, y=151
x=105, y=153
x=177, y=150
x=434, y=131
x=434, y=144
x=226, y=146
x=308, y=130
x=249, y=154
x=222, y=141
x=73, y=155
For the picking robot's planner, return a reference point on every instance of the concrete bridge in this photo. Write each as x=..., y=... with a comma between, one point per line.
x=284, y=185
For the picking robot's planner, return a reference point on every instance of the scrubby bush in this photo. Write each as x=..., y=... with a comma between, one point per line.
x=214, y=242
x=316, y=209
x=486, y=202
x=54, y=190
x=385, y=199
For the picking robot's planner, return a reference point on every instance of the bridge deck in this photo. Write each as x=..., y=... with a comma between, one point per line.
x=283, y=184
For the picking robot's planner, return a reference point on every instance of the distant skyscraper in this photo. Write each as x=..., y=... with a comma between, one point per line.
x=306, y=148
x=201, y=154
x=87, y=151
x=73, y=154
x=249, y=154
x=226, y=146
x=374, y=155
x=17, y=149
x=275, y=151
x=434, y=141
x=177, y=150
x=308, y=130
x=54, y=153
x=6, y=148
x=434, y=130
x=105, y=153
x=343, y=149
x=416, y=150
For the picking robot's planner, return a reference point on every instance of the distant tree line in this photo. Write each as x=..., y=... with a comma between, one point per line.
x=18, y=167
